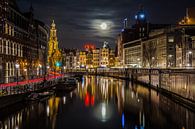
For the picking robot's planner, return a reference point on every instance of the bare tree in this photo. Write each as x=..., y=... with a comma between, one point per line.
x=149, y=54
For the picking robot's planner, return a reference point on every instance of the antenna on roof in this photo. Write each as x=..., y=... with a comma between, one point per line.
x=31, y=7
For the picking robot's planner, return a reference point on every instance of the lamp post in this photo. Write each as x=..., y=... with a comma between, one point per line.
x=17, y=67
x=170, y=62
x=47, y=72
x=64, y=69
x=40, y=69
x=189, y=58
x=25, y=70
x=48, y=69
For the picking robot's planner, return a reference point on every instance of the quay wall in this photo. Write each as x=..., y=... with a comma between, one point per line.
x=176, y=83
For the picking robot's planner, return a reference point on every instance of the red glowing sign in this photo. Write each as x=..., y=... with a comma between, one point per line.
x=89, y=46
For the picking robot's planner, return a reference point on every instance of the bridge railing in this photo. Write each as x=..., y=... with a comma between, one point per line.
x=177, y=81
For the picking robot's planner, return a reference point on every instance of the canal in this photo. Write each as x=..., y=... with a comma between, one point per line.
x=100, y=103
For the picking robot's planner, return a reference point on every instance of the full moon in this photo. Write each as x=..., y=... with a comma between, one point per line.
x=103, y=26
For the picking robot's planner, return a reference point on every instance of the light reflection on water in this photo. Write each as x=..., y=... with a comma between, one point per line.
x=100, y=102
x=103, y=112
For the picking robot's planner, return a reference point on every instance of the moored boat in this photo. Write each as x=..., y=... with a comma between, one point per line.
x=68, y=85
x=39, y=96
x=70, y=81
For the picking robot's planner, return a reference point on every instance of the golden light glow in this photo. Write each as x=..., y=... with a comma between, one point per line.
x=187, y=21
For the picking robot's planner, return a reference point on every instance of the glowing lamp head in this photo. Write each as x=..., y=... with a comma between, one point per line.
x=58, y=64
x=142, y=16
x=17, y=65
x=40, y=66
x=135, y=17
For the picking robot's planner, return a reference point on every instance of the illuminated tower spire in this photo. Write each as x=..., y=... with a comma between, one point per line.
x=54, y=54
x=53, y=41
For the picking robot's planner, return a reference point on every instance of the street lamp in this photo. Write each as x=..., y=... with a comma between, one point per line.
x=189, y=58
x=190, y=52
x=40, y=69
x=17, y=67
x=64, y=69
x=170, y=62
x=47, y=69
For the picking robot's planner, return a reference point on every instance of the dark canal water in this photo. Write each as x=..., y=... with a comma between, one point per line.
x=100, y=103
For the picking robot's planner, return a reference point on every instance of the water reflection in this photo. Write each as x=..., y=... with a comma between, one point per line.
x=12, y=122
x=100, y=102
x=103, y=112
x=52, y=110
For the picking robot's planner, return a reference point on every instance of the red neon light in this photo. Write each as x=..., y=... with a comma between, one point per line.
x=89, y=46
x=30, y=81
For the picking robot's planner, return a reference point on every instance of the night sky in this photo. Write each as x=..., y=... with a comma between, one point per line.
x=78, y=21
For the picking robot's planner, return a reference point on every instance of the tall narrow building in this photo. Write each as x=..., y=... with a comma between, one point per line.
x=54, y=54
x=23, y=42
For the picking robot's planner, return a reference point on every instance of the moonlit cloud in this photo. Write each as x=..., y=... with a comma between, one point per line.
x=78, y=21
x=96, y=24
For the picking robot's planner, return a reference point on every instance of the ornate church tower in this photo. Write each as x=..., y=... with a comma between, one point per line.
x=54, y=54
x=53, y=41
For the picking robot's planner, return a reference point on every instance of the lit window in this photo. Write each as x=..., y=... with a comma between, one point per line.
x=13, y=31
x=18, y=50
x=13, y=49
x=6, y=28
x=10, y=30
x=6, y=48
x=10, y=48
x=21, y=52
x=171, y=39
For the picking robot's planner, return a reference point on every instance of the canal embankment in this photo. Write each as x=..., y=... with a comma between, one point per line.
x=178, y=86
